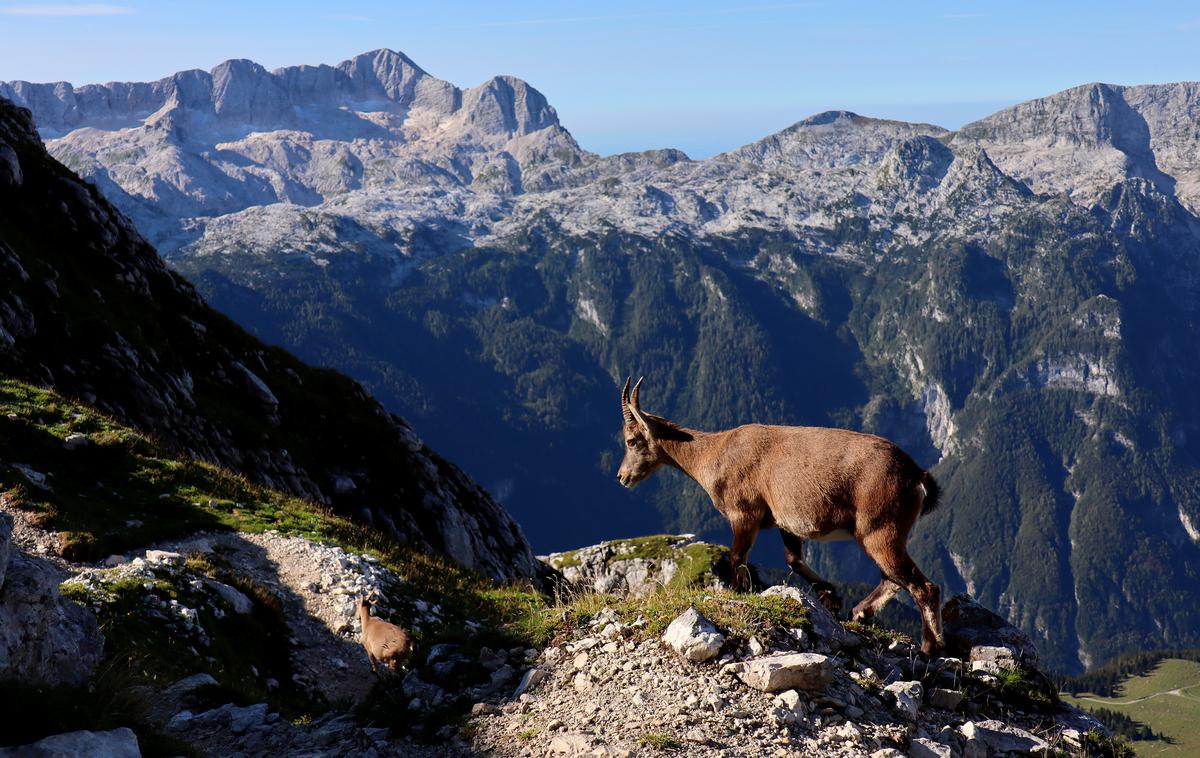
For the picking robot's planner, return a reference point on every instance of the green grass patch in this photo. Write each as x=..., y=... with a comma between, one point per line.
x=876, y=636
x=661, y=742
x=737, y=615
x=1099, y=744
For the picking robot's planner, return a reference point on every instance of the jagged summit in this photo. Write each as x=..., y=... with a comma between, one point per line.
x=244, y=91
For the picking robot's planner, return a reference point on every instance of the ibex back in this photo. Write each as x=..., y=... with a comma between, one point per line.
x=809, y=482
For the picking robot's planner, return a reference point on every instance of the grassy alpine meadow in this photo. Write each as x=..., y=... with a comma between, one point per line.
x=1166, y=700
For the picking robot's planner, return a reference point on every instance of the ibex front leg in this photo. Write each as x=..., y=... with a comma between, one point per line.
x=793, y=552
x=744, y=533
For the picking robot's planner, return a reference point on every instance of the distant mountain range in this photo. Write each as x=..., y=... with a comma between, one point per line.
x=1015, y=302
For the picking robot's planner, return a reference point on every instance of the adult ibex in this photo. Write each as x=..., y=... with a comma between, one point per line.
x=810, y=482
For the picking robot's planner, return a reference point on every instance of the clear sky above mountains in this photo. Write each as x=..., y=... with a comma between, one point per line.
x=700, y=75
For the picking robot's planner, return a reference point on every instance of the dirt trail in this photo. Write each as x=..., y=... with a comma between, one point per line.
x=1103, y=701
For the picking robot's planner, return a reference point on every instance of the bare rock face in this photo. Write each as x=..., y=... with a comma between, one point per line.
x=43, y=636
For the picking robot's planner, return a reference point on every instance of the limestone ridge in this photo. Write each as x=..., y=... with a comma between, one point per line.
x=211, y=143
x=89, y=308
x=243, y=93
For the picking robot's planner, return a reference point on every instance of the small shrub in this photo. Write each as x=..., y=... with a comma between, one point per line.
x=1097, y=743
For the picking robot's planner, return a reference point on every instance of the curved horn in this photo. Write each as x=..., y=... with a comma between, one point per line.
x=625, y=411
x=636, y=407
x=373, y=597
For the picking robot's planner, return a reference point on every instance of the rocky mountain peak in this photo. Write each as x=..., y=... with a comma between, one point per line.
x=507, y=104
x=917, y=164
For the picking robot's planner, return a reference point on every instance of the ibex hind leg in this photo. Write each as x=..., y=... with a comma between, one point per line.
x=892, y=557
x=876, y=600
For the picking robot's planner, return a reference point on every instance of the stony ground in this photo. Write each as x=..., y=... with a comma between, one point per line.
x=610, y=686
x=317, y=586
x=613, y=691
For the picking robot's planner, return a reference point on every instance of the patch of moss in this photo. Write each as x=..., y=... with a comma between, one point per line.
x=876, y=636
x=695, y=562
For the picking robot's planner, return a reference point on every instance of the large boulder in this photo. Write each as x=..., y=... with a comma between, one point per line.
x=828, y=632
x=118, y=743
x=44, y=637
x=791, y=671
x=984, y=639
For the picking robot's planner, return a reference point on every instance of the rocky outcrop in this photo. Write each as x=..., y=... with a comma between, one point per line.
x=91, y=310
x=984, y=639
x=43, y=636
x=638, y=566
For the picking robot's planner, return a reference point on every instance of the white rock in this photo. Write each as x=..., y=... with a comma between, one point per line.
x=907, y=697
x=694, y=637
x=240, y=603
x=75, y=441
x=532, y=678
x=164, y=558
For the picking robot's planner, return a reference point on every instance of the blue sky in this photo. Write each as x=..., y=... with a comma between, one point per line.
x=702, y=76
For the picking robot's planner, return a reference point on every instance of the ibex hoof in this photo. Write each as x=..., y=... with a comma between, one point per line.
x=828, y=596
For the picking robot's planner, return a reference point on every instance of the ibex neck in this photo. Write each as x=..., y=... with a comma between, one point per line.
x=687, y=455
